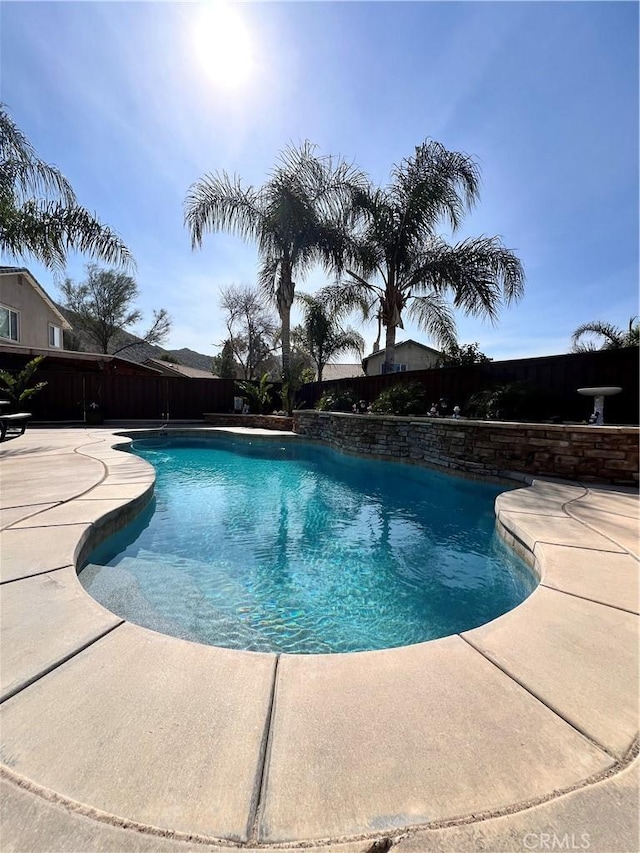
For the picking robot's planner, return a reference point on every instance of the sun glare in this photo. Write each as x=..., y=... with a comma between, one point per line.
x=222, y=44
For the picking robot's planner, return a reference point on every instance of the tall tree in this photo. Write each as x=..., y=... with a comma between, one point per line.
x=252, y=327
x=606, y=334
x=224, y=364
x=321, y=335
x=103, y=305
x=39, y=213
x=463, y=355
x=396, y=263
x=291, y=219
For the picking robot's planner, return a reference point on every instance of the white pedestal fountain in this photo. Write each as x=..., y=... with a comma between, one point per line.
x=598, y=394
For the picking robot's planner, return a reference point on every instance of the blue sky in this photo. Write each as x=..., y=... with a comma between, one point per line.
x=126, y=101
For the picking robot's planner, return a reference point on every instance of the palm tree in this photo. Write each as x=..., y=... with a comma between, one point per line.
x=394, y=260
x=39, y=213
x=321, y=335
x=612, y=337
x=292, y=219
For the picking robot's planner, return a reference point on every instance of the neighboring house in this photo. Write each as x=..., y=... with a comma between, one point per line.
x=171, y=369
x=410, y=355
x=28, y=317
x=341, y=371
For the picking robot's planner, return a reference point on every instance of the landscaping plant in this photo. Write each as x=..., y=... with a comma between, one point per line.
x=394, y=263
x=511, y=401
x=401, y=399
x=340, y=400
x=291, y=219
x=15, y=387
x=259, y=396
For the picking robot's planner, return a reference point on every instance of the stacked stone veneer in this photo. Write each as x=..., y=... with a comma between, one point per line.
x=602, y=454
x=255, y=421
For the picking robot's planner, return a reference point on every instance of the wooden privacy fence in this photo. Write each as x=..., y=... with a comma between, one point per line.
x=553, y=379
x=67, y=395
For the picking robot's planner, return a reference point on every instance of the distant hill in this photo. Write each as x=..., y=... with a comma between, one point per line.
x=139, y=351
x=191, y=358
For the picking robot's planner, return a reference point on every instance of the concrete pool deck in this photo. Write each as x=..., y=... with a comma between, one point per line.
x=115, y=737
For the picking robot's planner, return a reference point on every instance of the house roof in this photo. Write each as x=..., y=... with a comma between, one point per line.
x=399, y=346
x=342, y=371
x=172, y=369
x=39, y=289
x=75, y=358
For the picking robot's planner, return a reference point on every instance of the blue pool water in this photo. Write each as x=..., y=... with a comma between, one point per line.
x=296, y=548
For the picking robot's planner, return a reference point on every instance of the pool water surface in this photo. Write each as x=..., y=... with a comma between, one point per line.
x=289, y=547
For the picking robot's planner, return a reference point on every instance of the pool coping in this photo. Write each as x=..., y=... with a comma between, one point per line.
x=309, y=728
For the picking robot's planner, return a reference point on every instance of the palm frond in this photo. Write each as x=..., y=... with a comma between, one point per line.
x=267, y=276
x=433, y=314
x=347, y=340
x=611, y=337
x=364, y=251
x=23, y=170
x=39, y=213
x=433, y=184
x=325, y=181
x=47, y=230
x=479, y=272
x=632, y=335
x=306, y=300
x=219, y=202
x=349, y=295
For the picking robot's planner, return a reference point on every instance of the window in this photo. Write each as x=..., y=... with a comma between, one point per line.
x=397, y=368
x=9, y=324
x=55, y=336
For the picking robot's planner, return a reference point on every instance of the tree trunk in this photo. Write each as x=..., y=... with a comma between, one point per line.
x=376, y=343
x=285, y=316
x=391, y=308
x=390, y=349
x=284, y=301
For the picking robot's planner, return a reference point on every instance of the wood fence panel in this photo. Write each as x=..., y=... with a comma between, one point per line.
x=192, y=398
x=554, y=379
x=60, y=400
x=149, y=397
x=66, y=395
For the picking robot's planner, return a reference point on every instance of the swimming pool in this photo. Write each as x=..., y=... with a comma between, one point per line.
x=291, y=547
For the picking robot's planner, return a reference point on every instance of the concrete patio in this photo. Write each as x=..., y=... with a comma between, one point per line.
x=115, y=737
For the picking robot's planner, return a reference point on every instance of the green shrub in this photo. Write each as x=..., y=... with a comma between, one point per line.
x=511, y=401
x=258, y=396
x=340, y=400
x=402, y=399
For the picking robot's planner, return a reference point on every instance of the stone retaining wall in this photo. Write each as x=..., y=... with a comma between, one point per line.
x=255, y=421
x=575, y=452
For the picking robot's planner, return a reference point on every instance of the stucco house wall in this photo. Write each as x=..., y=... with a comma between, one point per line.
x=416, y=357
x=21, y=293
